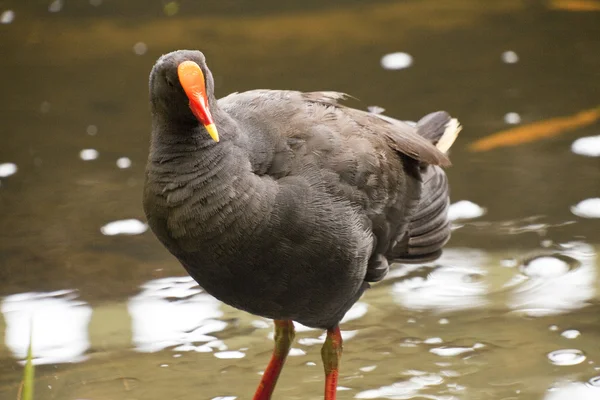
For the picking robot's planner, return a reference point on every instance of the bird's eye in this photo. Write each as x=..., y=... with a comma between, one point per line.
x=169, y=81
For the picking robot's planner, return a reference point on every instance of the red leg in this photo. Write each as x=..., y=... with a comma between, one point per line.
x=284, y=335
x=331, y=352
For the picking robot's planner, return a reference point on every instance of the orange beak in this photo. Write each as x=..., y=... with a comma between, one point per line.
x=192, y=81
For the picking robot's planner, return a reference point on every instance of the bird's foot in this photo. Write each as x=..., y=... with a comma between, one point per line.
x=331, y=353
x=284, y=336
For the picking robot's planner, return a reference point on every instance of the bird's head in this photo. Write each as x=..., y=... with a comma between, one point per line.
x=182, y=89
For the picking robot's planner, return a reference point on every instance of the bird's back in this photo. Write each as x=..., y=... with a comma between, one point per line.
x=388, y=169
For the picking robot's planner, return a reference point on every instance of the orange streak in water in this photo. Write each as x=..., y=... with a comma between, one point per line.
x=536, y=131
x=575, y=5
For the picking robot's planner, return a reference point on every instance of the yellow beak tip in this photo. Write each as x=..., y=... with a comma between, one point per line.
x=212, y=131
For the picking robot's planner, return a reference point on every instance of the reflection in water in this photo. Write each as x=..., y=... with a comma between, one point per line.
x=558, y=283
x=447, y=351
x=7, y=17
x=456, y=284
x=175, y=312
x=465, y=209
x=230, y=354
x=588, y=208
x=88, y=154
x=512, y=118
x=575, y=391
x=123, y=162
x=408, y=389
x=587, y=146
x=124, y=227
x=397, y=60
x=510, y=57
x=60, y=326
x=7, y=169
x=358, y=310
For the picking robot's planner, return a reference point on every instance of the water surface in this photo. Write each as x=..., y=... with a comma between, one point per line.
x=509, y=312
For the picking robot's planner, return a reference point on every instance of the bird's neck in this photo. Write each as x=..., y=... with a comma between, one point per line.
x=197, y=189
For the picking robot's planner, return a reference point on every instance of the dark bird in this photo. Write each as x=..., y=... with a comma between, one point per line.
x=287, y=204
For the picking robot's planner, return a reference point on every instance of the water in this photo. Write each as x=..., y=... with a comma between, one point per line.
x=509, y=312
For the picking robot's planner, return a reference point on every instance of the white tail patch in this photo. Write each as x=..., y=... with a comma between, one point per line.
x=453, y=128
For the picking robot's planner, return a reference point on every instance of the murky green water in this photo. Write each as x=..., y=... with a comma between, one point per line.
x=509, y=312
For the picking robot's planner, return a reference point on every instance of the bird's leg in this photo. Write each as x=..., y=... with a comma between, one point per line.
x=284, y=335
x=331, y=352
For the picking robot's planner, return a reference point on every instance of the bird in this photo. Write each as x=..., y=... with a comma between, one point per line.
x=288, y=204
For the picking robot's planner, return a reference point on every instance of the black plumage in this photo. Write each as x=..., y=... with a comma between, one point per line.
x=300, y=205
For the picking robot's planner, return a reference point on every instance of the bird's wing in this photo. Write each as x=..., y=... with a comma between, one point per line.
x=309, y=116
x=403, y=137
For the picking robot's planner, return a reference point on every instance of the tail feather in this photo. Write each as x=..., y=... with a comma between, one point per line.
x=440, y=128
x=429, y=228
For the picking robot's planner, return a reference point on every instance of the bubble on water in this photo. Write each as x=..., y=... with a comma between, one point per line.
x=510, y=57
x=433, y=340
x=395, y=61
x=571, y=334
x=512, y=118
x=140, y=48
x=443, y=321
x=465, y=209
x=566, y=357
x=311, y=364
x=7, y=17
x=55, y=6
x=88, y=154
x=551, y=266
x=7, y=169
x=588, y=208
x=91, y=130
x=123, y=162
x=229, y=354
x=124, y=227
x=368, y=368
x=587, y=146
x=224, y=398
x=553, y=327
